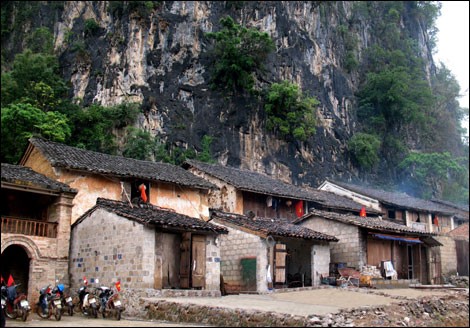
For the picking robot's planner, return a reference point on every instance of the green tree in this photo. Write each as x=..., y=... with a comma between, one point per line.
x=237, y=54
x=21, y=121
x=139, y=144
x=41, y=41
x=429, y=173
x=95, y=127
x=32, y=77
x=205, y=155
x=365, y=150
x=290, y=114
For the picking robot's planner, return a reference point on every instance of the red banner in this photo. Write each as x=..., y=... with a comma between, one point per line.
x=10, y=281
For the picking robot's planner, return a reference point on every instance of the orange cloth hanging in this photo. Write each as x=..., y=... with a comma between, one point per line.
x=143, y=195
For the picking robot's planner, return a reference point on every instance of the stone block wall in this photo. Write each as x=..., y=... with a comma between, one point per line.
x=350, y=247
x=448, y=255
x=111, y=248
x=235, y=246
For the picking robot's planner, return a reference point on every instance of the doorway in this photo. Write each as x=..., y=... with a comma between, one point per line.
x=15, y=262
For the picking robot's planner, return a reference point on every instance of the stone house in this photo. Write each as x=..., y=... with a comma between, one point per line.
x=96, y=175
x=36, y=213
x=366, y=242
x=420, y=214
x=245, y=194
x=145, y=247
x=254, y=245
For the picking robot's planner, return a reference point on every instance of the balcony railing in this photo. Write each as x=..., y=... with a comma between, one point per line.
x=419, y=226
x=29, y=227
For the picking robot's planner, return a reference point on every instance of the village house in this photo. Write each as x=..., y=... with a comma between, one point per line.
x=36, y=214
x=372, y=242
x=168, y=187
x=145, y=247
x=254, y=245
x=254, y=199
x=419, y=214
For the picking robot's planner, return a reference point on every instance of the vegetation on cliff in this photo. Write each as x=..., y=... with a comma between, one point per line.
x=406, y=125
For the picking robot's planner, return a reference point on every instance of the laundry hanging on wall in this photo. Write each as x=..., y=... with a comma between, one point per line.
x=269, y=201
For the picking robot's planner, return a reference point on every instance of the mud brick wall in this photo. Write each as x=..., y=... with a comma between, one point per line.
x=212, y=263
x=320, y=262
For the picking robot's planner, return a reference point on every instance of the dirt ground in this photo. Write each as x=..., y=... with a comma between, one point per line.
x=308, y=302
x=359, y=307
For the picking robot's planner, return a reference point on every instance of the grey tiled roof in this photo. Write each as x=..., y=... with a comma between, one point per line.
x=373, y=223
x=270, y=227
x=461, y=211
x=166, y=219
x=398, y=199
x=259, y=183
x=61, y=155
x=25, y=176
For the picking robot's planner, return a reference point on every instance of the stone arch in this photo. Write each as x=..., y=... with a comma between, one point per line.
x=29, y=246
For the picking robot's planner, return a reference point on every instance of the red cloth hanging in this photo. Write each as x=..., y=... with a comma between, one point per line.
x=436, y=221
x=363, y=211
x=299, y=208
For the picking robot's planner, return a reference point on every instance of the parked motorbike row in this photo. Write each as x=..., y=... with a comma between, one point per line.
x=53, y=302
x=103, y=300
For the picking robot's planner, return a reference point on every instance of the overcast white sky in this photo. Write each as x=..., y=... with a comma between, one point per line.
x=453, y=44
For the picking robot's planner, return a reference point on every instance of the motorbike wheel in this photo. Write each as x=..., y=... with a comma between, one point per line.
x=70, y=309
x=118, y=314
x=24, y=315
x=57, y=314
x=40, y=313
x=94, y=312
x=10, y=312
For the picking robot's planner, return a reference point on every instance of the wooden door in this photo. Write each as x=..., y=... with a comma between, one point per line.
x=198, y=261
x=185, y=263
x=280, y=253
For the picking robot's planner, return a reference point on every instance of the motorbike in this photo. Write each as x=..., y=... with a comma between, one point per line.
x=14, y=304
x=66, y=301
x=110, y=303
x=86, y=302
x=49, y=304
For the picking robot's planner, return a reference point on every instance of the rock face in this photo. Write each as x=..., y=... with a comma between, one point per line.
x=156, y=55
